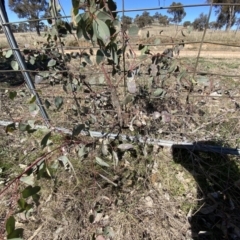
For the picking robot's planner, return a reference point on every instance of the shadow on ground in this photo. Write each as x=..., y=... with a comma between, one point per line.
x=217, y=215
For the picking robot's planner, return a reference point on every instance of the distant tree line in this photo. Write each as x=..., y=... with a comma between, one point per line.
x=177, y=11
x=226, y=16
x=26, y=27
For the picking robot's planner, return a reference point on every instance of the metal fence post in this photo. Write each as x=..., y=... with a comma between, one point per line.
x=13, y=44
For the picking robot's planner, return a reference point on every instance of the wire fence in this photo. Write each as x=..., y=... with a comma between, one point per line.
x=188, y=94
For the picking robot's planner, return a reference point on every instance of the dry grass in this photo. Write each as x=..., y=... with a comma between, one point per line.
x=161, y=193
x=149, y=202
x=168, y=35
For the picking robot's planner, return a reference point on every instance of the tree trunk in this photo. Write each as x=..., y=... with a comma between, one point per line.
x=38, y=28
x=231, y=16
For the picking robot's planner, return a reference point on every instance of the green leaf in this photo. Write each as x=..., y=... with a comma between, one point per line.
x=33, y=108
x=14, y=65
x=101, y=162
x=10, y=128
x=32, y=100
x=15, y=234
x=114, y=54
x=180, y=76
x=64, y=89
x=29, y=191
x=31, y=123
x=44, y=74
x=82, y=152
x=101, y=30
x=32, y=60
x=29, y=180
x=85, y=34
x=99, y=56
x=133, y=30
x=24, y=127
x=77, y=129
x=64, y=159
x=22, y=204
x=16, y=238
x=75, y=3
x=172, y=67
x=52, y=63
x=101, y=79
x=157, y=41
x=38, y=79
x=41, y=170
x=12, y=95
x=143, y=50
x=116, y=23
x=87, y=58
x=68, y=27
x=9, y=53
x=45, y=139
x=158, y=92
x=78, y=18
x=36, y=198
x=10, y=224
x=47, y=103
x=128, y=99
x=103, y=15
x=203, y=80
x=58, y=102
x=79, y=31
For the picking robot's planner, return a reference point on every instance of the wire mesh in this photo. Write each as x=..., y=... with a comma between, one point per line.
x=197, y=100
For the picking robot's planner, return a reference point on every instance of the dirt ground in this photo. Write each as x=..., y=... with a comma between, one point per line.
x=153, y=192
x=205, y=54
x=211, y=54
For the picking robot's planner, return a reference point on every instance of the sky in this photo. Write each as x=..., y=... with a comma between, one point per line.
x=191, y=12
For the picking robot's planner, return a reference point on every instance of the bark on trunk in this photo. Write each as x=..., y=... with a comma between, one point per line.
x=38, y=28
x=231, y=16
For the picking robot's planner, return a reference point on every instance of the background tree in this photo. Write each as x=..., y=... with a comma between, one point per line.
x=156, y=16
x=222, y=20
x=237, y=24
x=143, y=20
x=163, y=20
x=226, y=15
x=187, y=23
x=30, y=9
x=126, y=22
x=42, y=26
x=177, y=11
x=23, y=27
x=200, y=22
x=213, y=25
x=14, y=27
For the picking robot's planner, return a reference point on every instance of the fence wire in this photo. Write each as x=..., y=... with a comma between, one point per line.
x=197, y=100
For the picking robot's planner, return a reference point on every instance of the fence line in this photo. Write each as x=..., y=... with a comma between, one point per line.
x=77, y=72
x=68, y=48
x=141, y=139
x=12, y=42
x=194, y=146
